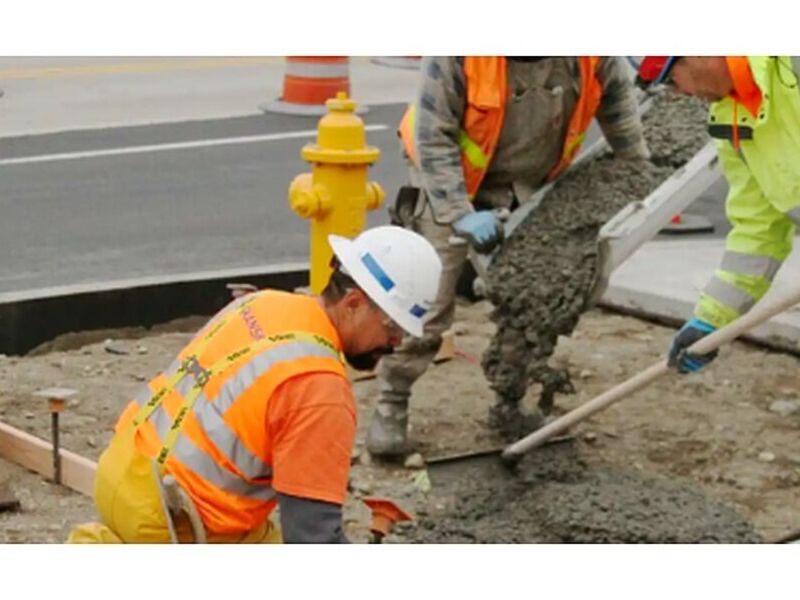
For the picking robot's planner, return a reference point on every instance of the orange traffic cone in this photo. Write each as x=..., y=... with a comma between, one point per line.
x=310, y=81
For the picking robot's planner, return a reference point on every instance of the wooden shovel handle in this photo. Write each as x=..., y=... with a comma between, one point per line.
x=760, y=313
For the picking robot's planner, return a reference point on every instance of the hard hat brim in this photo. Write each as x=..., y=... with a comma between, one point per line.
x=351, y=260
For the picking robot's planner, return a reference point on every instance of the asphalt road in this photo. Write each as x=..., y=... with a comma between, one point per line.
x=99, y=205
x=157, y=200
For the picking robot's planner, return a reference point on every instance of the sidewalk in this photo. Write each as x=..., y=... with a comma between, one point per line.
x=53, y=94
x=664, y=280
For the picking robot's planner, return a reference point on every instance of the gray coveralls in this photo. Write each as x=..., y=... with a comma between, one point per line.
x=542, y=97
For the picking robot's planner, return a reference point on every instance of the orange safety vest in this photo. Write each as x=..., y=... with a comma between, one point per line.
x=487, y=94
x=204, y=419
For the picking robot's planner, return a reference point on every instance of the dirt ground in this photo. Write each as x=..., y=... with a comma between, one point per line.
x=729, y=434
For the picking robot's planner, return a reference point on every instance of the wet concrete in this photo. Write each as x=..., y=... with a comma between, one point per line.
x=541, y=280
x=554, y=497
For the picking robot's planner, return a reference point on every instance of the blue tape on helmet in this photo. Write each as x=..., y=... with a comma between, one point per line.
x=375, y=270
x=417, y=311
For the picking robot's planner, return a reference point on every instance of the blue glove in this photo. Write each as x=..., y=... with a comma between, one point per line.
x=693, y=330
x=481, y=229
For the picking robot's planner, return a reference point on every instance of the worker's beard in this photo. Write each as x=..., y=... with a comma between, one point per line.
x=367, y=361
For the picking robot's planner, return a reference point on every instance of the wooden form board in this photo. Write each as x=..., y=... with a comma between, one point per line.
x=17, y=446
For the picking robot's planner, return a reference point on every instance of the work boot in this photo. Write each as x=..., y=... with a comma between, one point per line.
x=512, y=420
x=388, y=431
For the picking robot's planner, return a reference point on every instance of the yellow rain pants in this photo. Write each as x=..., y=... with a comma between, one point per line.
x=129, y=505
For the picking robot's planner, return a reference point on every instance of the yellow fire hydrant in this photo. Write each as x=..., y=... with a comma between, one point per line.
x=336, y=194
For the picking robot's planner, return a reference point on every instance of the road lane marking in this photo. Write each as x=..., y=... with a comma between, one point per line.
x=140, y=67
x=253, y=139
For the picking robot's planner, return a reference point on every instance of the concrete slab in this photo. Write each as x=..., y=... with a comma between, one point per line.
x=663, y=280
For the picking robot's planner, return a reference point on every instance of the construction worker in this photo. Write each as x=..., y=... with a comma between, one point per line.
x=485, y=133
x=755, y=118
x=257, y=411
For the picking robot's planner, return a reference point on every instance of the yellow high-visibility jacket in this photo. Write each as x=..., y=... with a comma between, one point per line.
x=757, y=129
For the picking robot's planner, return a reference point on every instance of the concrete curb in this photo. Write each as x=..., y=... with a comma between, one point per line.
x=669, y=294
x=28, y=319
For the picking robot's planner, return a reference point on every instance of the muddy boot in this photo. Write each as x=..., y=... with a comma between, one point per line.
x=512, y=420
x=388, y=431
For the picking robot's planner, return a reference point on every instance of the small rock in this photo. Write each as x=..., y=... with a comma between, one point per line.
x=141, y=349
x=139, y=377
x=87, y=369
x=590, y=437
x=355, y=455
x=86, y=351
x=586, y=374
x=73, y=403
x=91, y=442
x=28, y=414
x=422, y=481
x=766, y=457
x=415, y=461
x=365, y=459
x=785, y=408
x=113, y=347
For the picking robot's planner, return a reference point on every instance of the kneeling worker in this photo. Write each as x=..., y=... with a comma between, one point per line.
x=257, y=411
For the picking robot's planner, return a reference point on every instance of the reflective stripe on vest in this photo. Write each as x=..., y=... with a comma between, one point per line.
x=187, y=379
x=471, y=151
x=210, y=414
x=272, y=349
x=487, y=92
x=729, y=295
x=794, y=215
x=216, y=429
x=203, y=465
x=750, y=264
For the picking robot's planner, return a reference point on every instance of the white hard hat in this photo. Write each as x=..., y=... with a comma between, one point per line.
x=398, y=269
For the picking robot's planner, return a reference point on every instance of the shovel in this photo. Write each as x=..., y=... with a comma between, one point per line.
x=759, y=314
x=461, y=465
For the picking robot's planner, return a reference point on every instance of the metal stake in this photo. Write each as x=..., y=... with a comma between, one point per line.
x=56, y=399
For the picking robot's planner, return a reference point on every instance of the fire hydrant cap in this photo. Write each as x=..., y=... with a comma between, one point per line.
x=341, y=102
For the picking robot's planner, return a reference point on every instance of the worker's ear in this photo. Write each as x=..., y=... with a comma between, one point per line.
x=355, y=299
